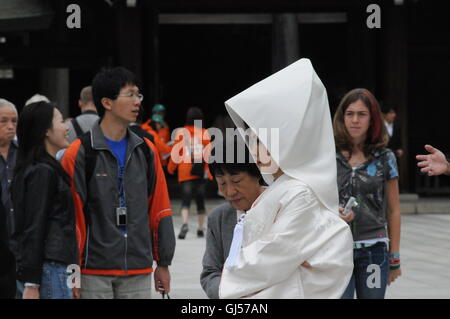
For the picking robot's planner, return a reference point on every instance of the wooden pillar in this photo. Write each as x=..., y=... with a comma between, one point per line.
x=285, y=42
x=129, y=39
x=361, y=49
x=395, y=78
x=54, y=84
x=151, y=61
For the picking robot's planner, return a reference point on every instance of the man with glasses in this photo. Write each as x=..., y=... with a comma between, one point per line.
x=121, y=200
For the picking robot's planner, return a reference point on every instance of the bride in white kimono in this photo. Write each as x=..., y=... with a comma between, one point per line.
x=295, y=221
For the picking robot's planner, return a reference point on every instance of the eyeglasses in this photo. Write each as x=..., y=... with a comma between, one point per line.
x=131, y=95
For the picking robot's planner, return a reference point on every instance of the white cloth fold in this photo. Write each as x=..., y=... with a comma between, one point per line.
x=236, y=244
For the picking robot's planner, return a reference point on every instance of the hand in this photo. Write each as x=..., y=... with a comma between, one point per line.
x=31, y=293
x=349, y=217
x=399, y=153
x=434, y=163
x=162, y=279
x=76, y=292
x=394, y=274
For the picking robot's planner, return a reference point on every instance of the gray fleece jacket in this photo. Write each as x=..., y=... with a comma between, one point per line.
x=221, y=222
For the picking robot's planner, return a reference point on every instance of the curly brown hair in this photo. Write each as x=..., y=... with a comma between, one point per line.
x=377, y=137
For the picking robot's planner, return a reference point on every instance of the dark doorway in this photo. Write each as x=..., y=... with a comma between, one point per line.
x=204, y=65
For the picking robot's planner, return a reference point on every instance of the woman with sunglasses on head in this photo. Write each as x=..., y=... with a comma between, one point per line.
x=43, y=204
x=367, y=171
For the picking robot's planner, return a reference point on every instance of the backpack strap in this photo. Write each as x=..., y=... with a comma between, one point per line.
x=150, y=159
x=89, y=156
x=77, y=127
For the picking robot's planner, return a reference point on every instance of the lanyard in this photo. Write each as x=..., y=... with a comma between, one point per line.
x=120, y=184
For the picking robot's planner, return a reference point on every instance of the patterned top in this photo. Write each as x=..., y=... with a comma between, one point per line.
x=367, y=183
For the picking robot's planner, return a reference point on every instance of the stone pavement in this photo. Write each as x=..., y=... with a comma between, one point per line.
x=425, y=254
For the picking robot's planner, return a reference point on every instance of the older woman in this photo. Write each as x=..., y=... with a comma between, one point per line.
x=295, y=221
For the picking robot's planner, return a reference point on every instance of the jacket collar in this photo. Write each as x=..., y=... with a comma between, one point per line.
x=98, y=141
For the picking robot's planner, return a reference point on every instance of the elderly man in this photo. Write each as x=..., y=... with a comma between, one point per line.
x=8, y=151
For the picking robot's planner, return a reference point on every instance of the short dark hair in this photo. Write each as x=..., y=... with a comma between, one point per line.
x=86, y=95
x=232, y=165
x=108, y=83
x=193, y=114
x=386, y=108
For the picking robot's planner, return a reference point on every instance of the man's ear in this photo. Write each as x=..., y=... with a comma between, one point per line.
x=80, y=104
x=107, y=103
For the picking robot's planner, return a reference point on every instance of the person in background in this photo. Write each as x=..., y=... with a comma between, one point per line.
x=435, y=163
x=43, y=205
x=154, y=129
x=37, y=98
x=8, y=152
x=188, y=158
x=367, y=170
x=393, y=130
x=163, y=128
x=83, y=122
x=7, y=260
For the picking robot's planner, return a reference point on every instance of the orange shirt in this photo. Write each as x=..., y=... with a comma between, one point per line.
x=164, y=132
x=161, y=139
x=190, y=142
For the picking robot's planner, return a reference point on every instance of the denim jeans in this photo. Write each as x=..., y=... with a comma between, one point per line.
x=19, y=289
x=369, y=282
x=54, y=282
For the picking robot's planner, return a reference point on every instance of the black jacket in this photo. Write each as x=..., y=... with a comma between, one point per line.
x=395, y=142
x=7, y=261
x=45, y=221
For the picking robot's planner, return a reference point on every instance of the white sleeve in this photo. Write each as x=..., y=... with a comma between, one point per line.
x=301, y=229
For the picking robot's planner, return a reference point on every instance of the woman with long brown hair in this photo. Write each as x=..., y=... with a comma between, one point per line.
x=367, y=171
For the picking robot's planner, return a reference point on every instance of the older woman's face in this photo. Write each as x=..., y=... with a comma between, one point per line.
x=241, y=189
x=357, y=120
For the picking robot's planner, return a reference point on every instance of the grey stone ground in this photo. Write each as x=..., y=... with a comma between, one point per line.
x=425, y=254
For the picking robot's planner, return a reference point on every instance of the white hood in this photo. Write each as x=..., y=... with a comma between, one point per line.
x=295, y=101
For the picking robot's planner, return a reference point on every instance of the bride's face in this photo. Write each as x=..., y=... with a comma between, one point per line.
x=261, y=155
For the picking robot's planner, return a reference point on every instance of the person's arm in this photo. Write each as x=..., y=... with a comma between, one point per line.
x=434, y=163
x=176, y=152
x=212, y=260
x=394, y=224
x=74, y=165
x=161, y=226
x=37, y=203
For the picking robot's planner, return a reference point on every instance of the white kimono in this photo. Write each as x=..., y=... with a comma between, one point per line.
x=296, y=219
x=287, y=226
